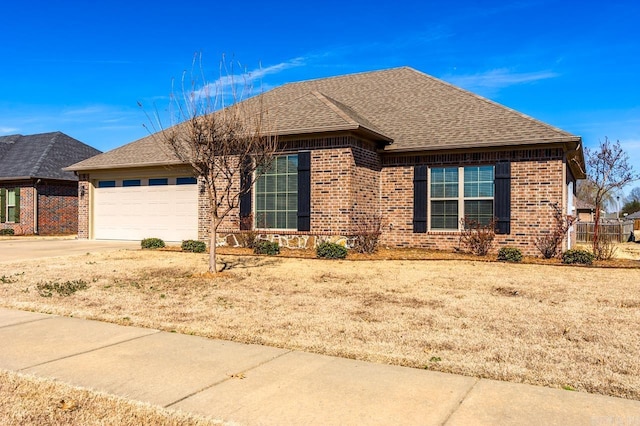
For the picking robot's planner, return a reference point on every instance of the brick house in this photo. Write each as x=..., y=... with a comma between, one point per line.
x=36, y=195
x=397, y=144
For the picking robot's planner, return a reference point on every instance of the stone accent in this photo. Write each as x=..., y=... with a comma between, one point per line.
x=291, y=241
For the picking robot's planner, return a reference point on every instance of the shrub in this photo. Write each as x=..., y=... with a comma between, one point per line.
x=329, y=250
x=151, y=243
x=367, y=234
x=510, y=254
x=578, y=256
x=266, y=247
x=550, y=243
x=194, y=246
x=7, y=231
x=66, y=288
x=476, y=237
x=248, y=237
x=604, y=248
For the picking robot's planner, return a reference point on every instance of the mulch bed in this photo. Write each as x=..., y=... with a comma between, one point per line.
x=423, y=254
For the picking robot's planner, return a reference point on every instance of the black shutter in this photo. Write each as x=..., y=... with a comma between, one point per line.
x=304, y=191
x=3, y=205
x=16, y=210
x=503, y=197
x=245, y=198
x=420, y=199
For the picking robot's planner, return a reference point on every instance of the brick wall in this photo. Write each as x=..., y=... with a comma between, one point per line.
x=351, y=184
x=536, y=181
x=58, y=209
x=345, y=186
x=25, y=226
x=84, y=201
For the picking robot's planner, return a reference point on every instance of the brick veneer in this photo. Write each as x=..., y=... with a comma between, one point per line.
x=84, y=201
x=57, y=207
x=345, y=187
x=536, y=181
x=351, y=182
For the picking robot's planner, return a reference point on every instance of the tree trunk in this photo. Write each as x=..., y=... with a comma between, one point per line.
x=213, y=239
x=596, y=229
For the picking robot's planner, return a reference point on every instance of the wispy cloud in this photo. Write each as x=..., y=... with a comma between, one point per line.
x=496, y=79
x=8, y=130
x=242, y=83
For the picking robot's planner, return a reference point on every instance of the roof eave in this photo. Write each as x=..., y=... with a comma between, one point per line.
x=372, y=134
x=122, y=166
x=487, y=145
x=9, y=178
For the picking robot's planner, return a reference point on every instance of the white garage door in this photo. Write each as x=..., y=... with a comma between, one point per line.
x=134, y=209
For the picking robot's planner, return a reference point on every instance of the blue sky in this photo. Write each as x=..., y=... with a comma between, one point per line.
x=81, y=67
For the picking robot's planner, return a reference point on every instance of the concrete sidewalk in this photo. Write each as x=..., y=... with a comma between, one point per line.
x=250, y=384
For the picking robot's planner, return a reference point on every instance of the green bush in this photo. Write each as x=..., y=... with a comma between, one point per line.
x=66, y=288
x=266, y=247
x=328, y=250
x=194, y=246
x=578, y=256
x=151, y=243
x=510, y=254
x=7, y=231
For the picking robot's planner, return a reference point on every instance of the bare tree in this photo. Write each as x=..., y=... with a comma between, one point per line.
x=609, y=169
x=225, y=135
x=586, y=191
x=634, y=194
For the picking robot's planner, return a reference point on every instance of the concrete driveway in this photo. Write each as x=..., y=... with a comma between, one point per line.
x=34, y=248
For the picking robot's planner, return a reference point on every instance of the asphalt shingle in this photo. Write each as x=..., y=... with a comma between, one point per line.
x=41, y=155
x=403, y=107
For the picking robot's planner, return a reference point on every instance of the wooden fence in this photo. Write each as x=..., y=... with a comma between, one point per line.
x=616, y=231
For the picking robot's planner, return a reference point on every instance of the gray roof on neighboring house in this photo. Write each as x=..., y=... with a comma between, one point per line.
x=41, y=156
x=584, y=205
x=635, y=215
x=404, y=108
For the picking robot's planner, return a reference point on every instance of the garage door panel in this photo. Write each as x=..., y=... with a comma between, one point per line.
x=169, y=212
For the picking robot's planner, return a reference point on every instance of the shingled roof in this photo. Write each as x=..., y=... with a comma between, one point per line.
x=41, y=156
x=405, y=109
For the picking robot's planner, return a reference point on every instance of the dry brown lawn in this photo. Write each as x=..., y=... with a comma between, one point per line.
x=557, y=326
x=28, y=400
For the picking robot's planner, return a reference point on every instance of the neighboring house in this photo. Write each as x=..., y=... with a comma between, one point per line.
x=36, y=195
x=416, y=151
x=634, y=216
x=585, y=211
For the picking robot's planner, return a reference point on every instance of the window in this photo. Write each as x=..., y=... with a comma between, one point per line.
x=11, y=206
x=106, y=184
x=478, y=194
x=447, y=202
x=444, y=198
x=131, y=182
x=158, y=181
x=276, y=199
x=186, y=181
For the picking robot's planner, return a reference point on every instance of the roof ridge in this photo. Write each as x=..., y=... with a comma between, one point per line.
x=43, y=155
x=335, y=77
x=335, y=108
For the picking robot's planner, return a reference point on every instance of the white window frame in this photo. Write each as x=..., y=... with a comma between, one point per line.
x=460, y=198
x=11, y=217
